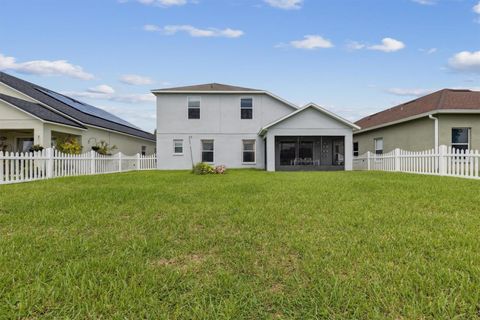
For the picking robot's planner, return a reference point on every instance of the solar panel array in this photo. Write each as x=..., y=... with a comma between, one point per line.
x=86, y=108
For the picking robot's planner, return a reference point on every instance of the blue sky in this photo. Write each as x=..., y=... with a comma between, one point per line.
x=354, y=57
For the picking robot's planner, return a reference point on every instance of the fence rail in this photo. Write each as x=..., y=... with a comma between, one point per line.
x=446, y=161
x=50, y=163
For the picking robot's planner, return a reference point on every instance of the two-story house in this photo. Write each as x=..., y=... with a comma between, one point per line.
x=247, y=128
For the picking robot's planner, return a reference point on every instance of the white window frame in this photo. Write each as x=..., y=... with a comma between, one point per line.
x=199, y=108
x=253, y=104
x=175, y=141
x=469, y=133
x=212, y=151
x=375, y=145
x=254, y=150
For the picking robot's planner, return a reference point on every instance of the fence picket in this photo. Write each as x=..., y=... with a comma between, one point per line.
x=445, y=160
x=51, y=163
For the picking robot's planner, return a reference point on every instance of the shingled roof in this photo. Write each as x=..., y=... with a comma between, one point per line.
x=39, y=111
x=208, y=87
x=446, y=99
x=38, y=93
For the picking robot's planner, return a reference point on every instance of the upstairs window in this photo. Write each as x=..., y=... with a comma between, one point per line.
x=193, y=107
x=246, y=108
x=355, y=149
x=248, y=151
x=379, y=146
x=207, y=151
x=461, y=138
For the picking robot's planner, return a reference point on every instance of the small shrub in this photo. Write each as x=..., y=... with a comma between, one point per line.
x=203, y=168
x=104, y=148
x=69, y=145
x=220, y=169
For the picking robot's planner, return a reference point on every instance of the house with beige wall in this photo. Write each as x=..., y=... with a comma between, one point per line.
x=33, y=115
x=446, y=117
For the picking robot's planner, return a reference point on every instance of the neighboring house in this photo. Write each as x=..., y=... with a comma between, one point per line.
x=247, y=128
x=30, y=114
x=446, y=117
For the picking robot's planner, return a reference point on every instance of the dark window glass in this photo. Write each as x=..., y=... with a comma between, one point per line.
x=207, y=151
x=460, y=147
x=306, y=150
x=246, y=108
x=355, y=149
x=248, y=157
x=287, y=153
x=178, y=146
x=249, y=151
x=193, y=113
x=207, y=156
x=460, y=135
x=193, y=108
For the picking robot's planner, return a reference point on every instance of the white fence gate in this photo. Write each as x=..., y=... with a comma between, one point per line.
x=446, y=161
x=51, y=163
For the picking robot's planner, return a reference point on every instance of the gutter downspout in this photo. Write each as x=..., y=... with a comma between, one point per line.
x=191, y=153
x=436, y=131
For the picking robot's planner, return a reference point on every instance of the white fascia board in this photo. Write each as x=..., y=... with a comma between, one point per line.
x=310, y=105
x=246, y=92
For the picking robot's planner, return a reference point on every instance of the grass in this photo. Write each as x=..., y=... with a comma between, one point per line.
x=245, y=245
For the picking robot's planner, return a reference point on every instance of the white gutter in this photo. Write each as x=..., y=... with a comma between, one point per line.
x=436, y=131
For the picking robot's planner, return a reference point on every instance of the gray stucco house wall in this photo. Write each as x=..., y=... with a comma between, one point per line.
x=180, y=139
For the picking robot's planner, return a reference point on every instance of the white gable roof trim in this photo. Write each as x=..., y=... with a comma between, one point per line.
x=274, y=96
x=307, y=106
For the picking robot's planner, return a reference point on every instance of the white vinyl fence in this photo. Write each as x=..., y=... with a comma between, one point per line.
x=51, y=163
x=447, y=161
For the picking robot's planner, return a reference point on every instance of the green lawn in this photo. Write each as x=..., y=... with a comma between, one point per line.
x=247, y=245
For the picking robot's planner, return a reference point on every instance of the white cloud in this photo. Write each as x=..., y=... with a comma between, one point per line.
x=194, y=32
x=354, y=45
x=44, y=67
x=429, y=51
x=106, y=92
x=425, y=2
x=163, y=3
x=311, y=42
x=285, y=4
x=412, y=92
x=476, y=8
x=102, y=89
x=151, y=28
x=388, y=45
x=135, y=80
x=465, y=61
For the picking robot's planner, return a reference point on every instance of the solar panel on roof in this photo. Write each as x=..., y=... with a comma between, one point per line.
x=86, y=108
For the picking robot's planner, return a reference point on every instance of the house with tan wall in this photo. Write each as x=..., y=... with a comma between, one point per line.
x=33, y=115
x=446, y=117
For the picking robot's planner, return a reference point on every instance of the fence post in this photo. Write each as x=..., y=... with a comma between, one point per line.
x=119, y=162
x=138, y=161
x=442, y=157
x=92, y=162
x=397, y=159
x=49, y=168
x=368, y=160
